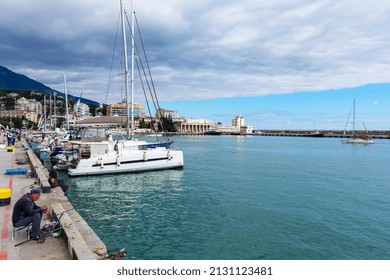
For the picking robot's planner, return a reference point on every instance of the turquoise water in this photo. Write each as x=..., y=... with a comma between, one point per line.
x=248, y=197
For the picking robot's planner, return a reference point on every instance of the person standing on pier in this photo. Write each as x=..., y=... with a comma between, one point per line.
x=9, y=139
x=26, y=212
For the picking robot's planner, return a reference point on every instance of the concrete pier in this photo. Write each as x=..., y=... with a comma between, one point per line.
x=77, y=241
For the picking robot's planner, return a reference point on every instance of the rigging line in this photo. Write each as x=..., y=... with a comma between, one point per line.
x=146, y=59
x=138, y=55
x=155, y=99
x=112, y=59
x=140, y=65
x=346, y=124
x=143, y=69
x=152, y=93
x=143, y=88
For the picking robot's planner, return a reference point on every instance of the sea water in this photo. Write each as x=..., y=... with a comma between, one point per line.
x=247, y=197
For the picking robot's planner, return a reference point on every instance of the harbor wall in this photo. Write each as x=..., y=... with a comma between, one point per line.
x=376, y=134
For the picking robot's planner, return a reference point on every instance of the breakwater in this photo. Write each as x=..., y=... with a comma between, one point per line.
x=377, y=134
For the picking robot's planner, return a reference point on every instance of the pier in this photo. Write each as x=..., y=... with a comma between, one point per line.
x=77, y=241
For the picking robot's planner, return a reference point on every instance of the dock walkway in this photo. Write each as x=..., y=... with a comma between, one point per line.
x=77, y=241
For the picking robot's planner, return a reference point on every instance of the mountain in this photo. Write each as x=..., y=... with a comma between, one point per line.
x=15, y=81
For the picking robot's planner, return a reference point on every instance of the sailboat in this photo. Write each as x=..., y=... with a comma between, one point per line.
x=357, y=139
x=100, y=154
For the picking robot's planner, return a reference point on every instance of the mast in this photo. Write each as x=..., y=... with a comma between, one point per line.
x=55, y=110
x=50, y=111
x=66, y=103
x=353, y=123
x=44, y=112
x=132, y=67
x=126, y=69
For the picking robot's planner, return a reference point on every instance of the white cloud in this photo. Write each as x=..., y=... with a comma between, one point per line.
x=203, y=49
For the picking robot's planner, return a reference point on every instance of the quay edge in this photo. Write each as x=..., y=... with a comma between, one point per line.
x=82, y=241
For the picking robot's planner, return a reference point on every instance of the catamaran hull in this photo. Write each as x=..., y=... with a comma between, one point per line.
x=142, y=161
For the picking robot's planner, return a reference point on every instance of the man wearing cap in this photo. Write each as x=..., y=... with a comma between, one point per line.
x=26, y=212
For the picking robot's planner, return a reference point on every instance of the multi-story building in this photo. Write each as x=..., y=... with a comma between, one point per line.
x=119, y=109
x=81, y=110
x=36, y=107
x=31, y=116
x=238, y=121
x=6, y=114
x=29, y=105
x=164, y=113
x=28, y=108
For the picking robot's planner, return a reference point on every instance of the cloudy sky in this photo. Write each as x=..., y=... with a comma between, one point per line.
x=282, y=63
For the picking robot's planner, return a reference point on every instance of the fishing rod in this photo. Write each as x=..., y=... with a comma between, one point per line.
x=45, y=231
x=62, y=213
x=42, y=237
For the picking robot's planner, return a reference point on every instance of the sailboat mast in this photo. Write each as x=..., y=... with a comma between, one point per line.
x=55, y=109
x=353, y=124
x=50, y=112
x=132, y=67
x=126, y=69
x=44, y=113
x=66, y=103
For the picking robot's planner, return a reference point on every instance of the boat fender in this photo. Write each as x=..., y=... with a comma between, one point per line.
x=145, y=157
x=100, y=161
x=118, y=161
x=169, y=155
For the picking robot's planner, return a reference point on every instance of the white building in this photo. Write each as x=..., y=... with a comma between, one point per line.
x=238, y=121
x=120, y=109
x=29, y=106
x=164, y=113
x=193, y=126
x=246, y=129
x=81, y=110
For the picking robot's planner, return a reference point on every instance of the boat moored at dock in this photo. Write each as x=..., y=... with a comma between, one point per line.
x=107, y=156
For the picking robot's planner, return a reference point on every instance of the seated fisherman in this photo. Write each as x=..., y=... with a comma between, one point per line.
x=26, y=212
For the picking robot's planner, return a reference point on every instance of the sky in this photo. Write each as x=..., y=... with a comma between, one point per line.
x=282, y=64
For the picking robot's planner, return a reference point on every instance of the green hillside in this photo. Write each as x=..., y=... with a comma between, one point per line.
x=10, y=80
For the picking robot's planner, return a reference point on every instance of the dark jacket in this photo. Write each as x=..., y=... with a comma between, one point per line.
x=53, y=173
x=25, y=207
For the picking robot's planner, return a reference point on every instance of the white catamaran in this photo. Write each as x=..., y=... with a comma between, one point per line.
x=100, y=154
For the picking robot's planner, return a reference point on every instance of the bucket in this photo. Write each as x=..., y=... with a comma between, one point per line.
x=5, y=196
